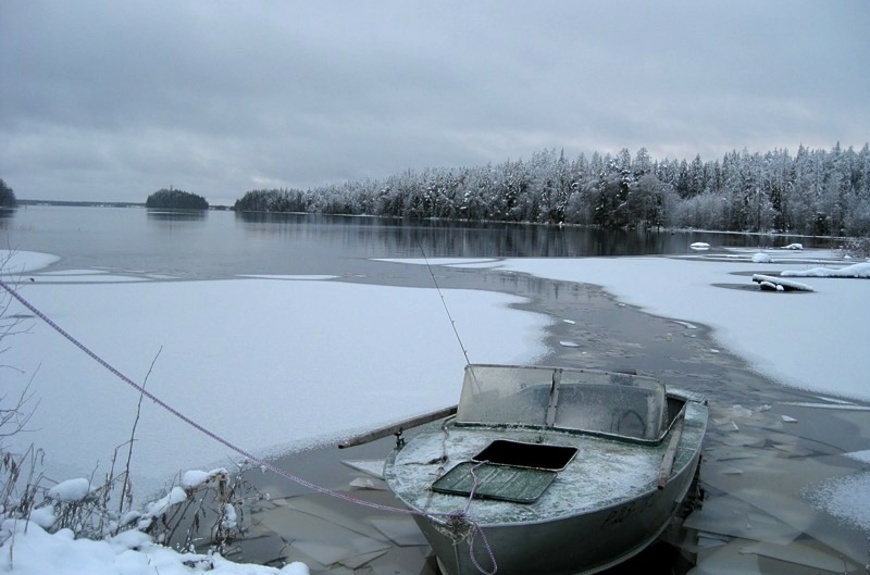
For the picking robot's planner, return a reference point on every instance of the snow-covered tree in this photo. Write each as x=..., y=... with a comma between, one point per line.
x=815, y=192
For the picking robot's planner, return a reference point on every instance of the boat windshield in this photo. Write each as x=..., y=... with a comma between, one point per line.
x=573, y=399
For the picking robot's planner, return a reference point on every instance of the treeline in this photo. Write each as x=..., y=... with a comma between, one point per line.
x=176, y=200
x=815, y=192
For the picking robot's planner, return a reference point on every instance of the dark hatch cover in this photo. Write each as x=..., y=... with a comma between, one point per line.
x=500, y=482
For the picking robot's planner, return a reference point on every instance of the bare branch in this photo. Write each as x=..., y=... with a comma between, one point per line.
x=126, y=493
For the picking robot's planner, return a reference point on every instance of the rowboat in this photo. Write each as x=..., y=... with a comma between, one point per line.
x=549, y=470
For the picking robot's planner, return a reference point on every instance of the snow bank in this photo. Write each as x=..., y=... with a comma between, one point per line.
x=861, y=270
x=130, y=553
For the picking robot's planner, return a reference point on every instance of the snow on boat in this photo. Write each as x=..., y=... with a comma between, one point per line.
x=550, y=470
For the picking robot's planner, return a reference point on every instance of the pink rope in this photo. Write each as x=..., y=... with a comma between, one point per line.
x=239, y=450
x=475, y=529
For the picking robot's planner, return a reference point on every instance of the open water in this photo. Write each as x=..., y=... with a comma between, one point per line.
x=765, y=446
x=216, y=244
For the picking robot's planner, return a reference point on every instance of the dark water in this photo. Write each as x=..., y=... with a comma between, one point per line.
x=220, y=243
x=766, y=444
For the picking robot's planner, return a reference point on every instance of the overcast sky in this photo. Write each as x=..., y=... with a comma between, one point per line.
x=112, y=100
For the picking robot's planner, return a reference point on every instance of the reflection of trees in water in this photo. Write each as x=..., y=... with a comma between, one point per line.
x=439, y=238
x=161, y=215
x=6, y=216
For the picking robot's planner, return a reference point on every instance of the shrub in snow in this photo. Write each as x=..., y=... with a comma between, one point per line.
x=229, y=520
x=161, y=507
x=857, y=248
x=206, y=511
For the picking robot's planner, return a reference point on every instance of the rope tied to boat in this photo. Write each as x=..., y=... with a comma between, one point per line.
x=472, y=530
x=462, y=529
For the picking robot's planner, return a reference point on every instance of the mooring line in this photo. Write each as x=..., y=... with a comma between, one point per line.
x=262, y=463
x=449, y=316
x=444, y=303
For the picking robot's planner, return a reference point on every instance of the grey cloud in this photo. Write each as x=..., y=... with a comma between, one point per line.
x=102, y=99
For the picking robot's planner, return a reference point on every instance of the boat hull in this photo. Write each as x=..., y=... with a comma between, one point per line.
x=550, y=471
x=574, y=545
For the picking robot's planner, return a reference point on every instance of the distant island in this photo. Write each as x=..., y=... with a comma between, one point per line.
x=7, y=196
x=176, y=200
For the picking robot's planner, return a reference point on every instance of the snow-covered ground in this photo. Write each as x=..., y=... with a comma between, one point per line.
x=272, y=362
x=33, y=551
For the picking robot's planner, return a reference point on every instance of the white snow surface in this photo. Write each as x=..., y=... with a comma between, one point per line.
x=70, y=490
x=16, y=263
x=265, y=363
x=37, y=552
x=861, y=270
x=193, y=478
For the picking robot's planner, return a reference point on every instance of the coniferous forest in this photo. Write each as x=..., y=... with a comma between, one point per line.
x=813, y=192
